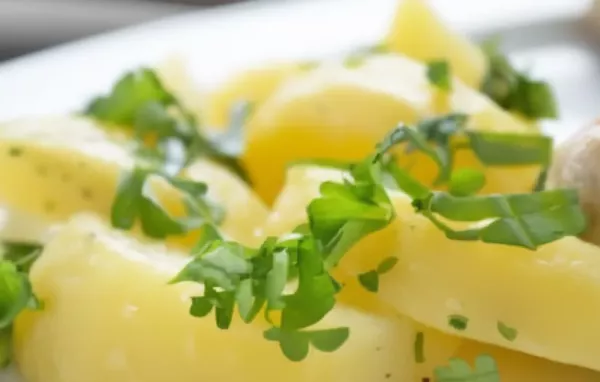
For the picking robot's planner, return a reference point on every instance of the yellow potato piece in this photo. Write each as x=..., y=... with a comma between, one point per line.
x=550, y=296
x=338, y=112
x=419, y=33
x=176, y=77
x=110, y=316
x=56, y=167
x=289, y=211
x=253, y=85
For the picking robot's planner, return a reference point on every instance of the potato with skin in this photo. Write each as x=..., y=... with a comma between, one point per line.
x=61, y=166
x=110, y=316
x=420, y=34
x=575, y=166
x=341, y=113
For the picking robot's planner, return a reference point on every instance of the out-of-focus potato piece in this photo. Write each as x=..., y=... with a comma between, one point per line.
x=515, y=366
x=340, y=112
x=176, y=77
x=419, y=33
x=56, y=167
x=110, y=316
x=253, y=86
x=575, y=166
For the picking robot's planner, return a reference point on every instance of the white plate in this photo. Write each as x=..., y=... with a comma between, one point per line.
x=219, y=41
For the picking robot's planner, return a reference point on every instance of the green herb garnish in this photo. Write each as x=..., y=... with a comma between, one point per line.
x=510, y=334
x=16, y=295
x=254, y=280
x=514, y=90
x=370, y=280
x=419, y=347
x=438, y=74
x=440, y=138
x=458, y=370
x=458, y=322
x=139, y=102
x=135, y=200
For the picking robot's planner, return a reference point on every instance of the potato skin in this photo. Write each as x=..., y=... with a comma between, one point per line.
x=576, y=165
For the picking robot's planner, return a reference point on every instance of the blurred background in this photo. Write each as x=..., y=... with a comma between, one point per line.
x=28, y=25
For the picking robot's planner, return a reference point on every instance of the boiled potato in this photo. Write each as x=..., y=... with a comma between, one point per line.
x=340, y=112
x=253, y=86
x=534, y=292
x=574, y=166
x=56, y=167
x=419, y=33
x=110, y=316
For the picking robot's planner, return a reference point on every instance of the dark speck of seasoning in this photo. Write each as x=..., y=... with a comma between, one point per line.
x=42, y=170
x=15, y=151
x=50, y=206
x=425, y=379
x=86, y=193
x=378, y=348
x=388, y=376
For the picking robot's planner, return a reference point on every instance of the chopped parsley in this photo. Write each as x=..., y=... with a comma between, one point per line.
x=458, y=322
x=419, y=347
x=137, y=200
x=438, y=74
x=514, y=90
x=164, y=129
x=458, y=370
x=509, y=334
x=16, y=293
x=370, y=280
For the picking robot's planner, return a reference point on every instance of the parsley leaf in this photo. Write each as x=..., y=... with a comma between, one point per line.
x=527, y=220
x=21, y=254
x=510, y=334
x=458, y=322
x=438, y=74
x=139, y=102
x=16, y=295
x=370, y=280
x=295, y=344
x=135, y=200
x=514, y=90
x=419, y=345
x=458, y=370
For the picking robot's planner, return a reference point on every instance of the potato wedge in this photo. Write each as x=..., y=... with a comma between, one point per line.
x=110, y=316
x=61, y=166
x=420, y=34
x=340, y=112
x=534, y=292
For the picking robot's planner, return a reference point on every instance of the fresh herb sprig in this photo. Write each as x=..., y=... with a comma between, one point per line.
x=439, y=75
x=442, y=137
x=16, y=293
x=255, y=279
x=514, y=90
x=136, y=200
x=526, y=220
x=165, y=130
